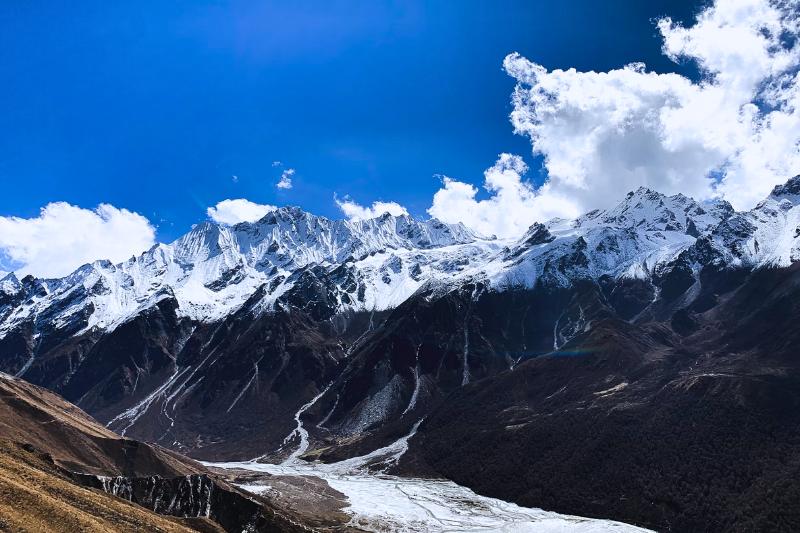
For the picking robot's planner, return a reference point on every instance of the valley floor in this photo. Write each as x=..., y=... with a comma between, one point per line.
x=365, y=498
x=384, y=503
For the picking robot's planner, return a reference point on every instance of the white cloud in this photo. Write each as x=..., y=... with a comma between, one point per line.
x=604, y=133
x=230, y=212
x=235, y=178
x=64, y=237
x=735, y=133
x=286, y=179
x=276, y=163
x=513, y=204
x=354, y=211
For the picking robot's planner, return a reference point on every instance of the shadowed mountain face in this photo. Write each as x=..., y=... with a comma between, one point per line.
x=688, y=424
x=636, y=363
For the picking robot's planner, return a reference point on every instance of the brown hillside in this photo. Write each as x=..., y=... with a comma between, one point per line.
x=35, y=497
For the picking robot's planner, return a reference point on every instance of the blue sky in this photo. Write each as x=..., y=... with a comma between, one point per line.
x=154, y=106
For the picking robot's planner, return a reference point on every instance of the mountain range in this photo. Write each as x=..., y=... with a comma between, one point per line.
x=636, y=363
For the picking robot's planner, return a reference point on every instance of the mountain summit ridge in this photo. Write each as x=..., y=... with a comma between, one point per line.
x=214, y=269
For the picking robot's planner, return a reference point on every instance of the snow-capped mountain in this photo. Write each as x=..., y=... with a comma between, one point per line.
x=9, y=284
x=634, y=239
x=213, y=270
x=293, y=259
x=767, y=235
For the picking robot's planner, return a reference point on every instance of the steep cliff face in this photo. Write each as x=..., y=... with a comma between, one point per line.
x=194, y=496
x=36, y=495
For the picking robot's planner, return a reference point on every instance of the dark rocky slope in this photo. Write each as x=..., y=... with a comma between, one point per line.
x=190, y=386
x=691, y=423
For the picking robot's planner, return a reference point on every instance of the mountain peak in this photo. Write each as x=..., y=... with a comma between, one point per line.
x=293, y=212
x=206, y=239
x=790, y=188
x=644, y=191
x=9, y=284
x=650, y=210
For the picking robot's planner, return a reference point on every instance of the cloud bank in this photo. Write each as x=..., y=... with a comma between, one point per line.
x=734, y=134
x=64, y=237
x=230, y=212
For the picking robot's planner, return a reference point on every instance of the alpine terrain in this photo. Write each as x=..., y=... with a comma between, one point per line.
x=636, y=364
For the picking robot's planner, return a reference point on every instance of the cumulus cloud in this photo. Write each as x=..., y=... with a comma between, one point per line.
x=64, y=237
x=354, y=211
x=230, y=212
x=286, y=179
x=733, y=134
x=513, y=204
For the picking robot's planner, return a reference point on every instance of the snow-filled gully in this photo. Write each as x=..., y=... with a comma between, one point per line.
x=300, y=431
x=383, y=503
x=413, y=401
